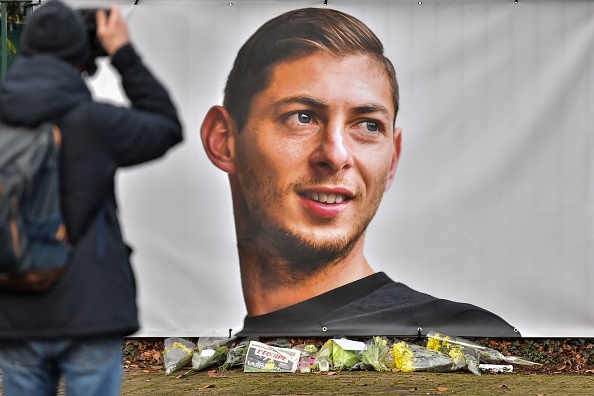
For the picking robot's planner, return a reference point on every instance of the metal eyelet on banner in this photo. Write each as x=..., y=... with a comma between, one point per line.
x=324, y=329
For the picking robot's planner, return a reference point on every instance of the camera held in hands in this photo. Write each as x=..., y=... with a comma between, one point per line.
x=90, y=22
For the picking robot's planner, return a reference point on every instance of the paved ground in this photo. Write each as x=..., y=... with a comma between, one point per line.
x=236, y=382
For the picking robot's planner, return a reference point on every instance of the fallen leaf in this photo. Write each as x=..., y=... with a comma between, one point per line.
x=209, y=386
x=213, y=374
x=442, y=389
x=502, y=386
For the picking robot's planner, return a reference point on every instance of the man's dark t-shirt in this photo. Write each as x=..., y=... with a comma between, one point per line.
x=376, y=305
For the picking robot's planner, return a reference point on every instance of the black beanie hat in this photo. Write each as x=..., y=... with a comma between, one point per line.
x=56, y=29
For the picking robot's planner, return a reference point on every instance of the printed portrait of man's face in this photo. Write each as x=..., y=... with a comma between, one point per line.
x=316, y=154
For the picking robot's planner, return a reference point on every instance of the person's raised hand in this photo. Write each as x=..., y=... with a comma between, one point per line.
x=112, y=31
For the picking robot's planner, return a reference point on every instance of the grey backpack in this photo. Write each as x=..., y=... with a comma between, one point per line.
x=33, y=242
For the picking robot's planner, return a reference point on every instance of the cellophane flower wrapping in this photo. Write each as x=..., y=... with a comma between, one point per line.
x=473, y=352
x=411, y=357
x=338, y=358
x=324, y=353
x=209, y=352
x=236, y=355
x=464, y=354
x=177, y=353
x=377, y=354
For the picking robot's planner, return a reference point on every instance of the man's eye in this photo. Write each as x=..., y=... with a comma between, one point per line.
x=304, y=118
x=372, y=126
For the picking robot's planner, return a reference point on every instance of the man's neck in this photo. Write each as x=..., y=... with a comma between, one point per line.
x=267, y=288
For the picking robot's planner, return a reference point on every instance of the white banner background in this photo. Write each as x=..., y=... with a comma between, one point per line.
x=492, y=202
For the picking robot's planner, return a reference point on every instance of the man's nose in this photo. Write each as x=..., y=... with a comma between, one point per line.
x=332, y=153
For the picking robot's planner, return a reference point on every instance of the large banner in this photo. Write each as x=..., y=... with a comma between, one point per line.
x=492, y=201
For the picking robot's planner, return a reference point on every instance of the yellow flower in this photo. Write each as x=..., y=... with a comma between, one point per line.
x=177, y=345
x=456, y=353
x=433, y=343
x=403, y=357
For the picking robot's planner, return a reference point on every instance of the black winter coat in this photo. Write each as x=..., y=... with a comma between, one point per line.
x=96, y=296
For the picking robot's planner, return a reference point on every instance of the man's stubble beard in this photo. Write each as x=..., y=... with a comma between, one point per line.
x=285, y=253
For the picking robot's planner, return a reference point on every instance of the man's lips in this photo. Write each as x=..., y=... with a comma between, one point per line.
x=327, y=195
x=324, y=197
x=326, y=203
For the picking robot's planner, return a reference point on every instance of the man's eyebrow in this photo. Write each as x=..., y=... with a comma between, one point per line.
x=311, y=102
x=304, y=100
x=371, y=108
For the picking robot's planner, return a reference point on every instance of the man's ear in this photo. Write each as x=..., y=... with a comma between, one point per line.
x=217, y=138
x=396, y=156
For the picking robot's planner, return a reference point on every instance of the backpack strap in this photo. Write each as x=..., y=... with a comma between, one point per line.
x=62, y=233
x=57, y=136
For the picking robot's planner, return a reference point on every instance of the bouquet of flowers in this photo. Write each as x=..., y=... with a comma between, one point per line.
x=333, y=353
x=177, y=353
x=411, y=357
x=236, y=355
x=463, y=355
x=377, y=354
x=460, y=346
x=209, y=351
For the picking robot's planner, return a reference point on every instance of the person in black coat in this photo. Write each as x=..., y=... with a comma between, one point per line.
x=76, y=328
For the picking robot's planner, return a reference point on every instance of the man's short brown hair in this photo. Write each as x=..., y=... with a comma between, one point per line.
x=293, y=35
